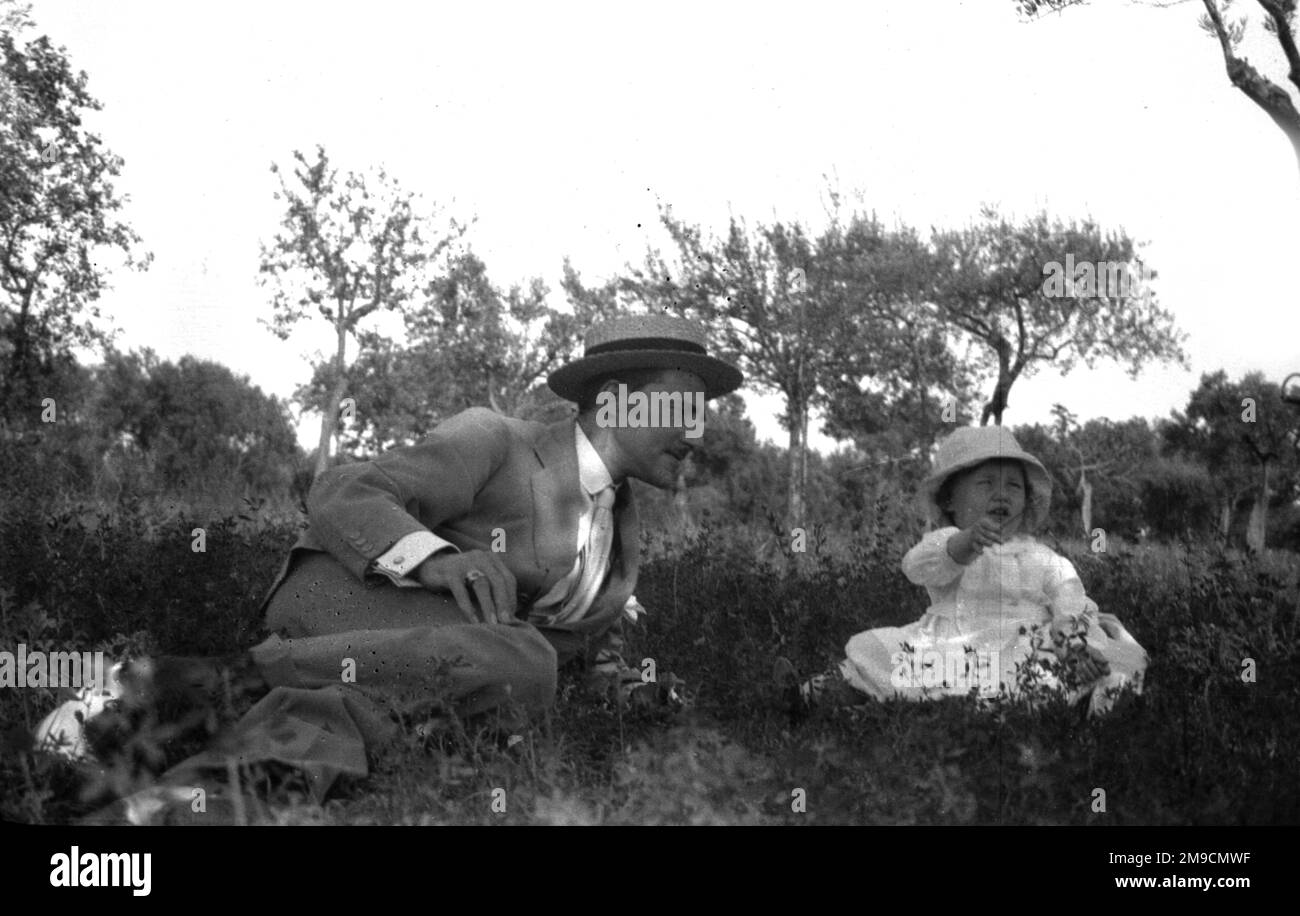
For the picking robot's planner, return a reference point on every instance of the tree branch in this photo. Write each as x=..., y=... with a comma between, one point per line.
x=1020, y=329
x=1221, y=31
x=1285, y=37
x=1273, y=99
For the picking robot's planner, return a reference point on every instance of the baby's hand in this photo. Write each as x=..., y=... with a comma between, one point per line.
x=965, y=546
x=1069, y=638
x=1067, y=630
x=1091, y=665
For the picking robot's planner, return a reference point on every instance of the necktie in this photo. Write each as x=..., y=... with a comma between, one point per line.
x=595, y=558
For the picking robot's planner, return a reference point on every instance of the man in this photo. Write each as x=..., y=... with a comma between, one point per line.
x=509, y=545
x=472, y=564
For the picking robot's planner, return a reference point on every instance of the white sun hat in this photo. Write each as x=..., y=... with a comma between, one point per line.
x=973, y=445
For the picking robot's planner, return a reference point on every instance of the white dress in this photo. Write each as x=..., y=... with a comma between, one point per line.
x=980, y=626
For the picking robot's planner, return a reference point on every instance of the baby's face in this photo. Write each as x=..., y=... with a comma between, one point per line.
x=995, y=489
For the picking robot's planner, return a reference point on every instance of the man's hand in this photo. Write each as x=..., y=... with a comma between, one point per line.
x=478, y=571
x=965, y=546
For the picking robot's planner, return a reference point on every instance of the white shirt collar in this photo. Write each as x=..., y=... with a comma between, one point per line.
x=591, y=469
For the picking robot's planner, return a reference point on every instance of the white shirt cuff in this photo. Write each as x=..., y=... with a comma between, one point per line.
x=407, y=554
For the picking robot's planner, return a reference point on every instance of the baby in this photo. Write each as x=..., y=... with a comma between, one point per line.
x=998, y=598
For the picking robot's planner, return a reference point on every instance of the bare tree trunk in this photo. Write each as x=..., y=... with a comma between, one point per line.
x=18, y=371
x=998, y=403
x=1085, y=506
x=803, y=463
x=330, y=410
x=993, y=409
x=679, y=499
x=1257, y=529
x=798, y=433
x=492, y=394
x=796, y=464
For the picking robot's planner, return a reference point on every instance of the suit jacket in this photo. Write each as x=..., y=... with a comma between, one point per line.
x=476, y=472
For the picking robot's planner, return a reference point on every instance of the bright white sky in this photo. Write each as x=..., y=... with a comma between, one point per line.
x=561, y=125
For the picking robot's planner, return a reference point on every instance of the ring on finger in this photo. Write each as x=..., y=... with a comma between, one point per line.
x=474, y=575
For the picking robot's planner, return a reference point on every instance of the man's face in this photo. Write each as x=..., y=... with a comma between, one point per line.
x=995, y=489
x=654, y=454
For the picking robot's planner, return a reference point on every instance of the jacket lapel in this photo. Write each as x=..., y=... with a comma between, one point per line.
x=558, y=504
x=629, y=534
x=558, y=501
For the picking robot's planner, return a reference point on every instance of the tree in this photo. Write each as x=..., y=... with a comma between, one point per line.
x=729, y=481
x=497, y=346
x=1177, y=497
x=789, y=308
x=1097, y=468
x=902, y=383
x=752, y=288
x=346, y=251
x=191, y=423
x=57, y=219
x=1278, y=20
x=470, y=343
x=1048, y=293
x=13, y=19
x=591, y=304
x=1248, y=437
x=391, y=392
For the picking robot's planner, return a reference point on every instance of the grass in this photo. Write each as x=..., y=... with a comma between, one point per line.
x=1201, y=746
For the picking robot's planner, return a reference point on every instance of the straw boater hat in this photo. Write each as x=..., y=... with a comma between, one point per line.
x=973, y=445
x=645, y=342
